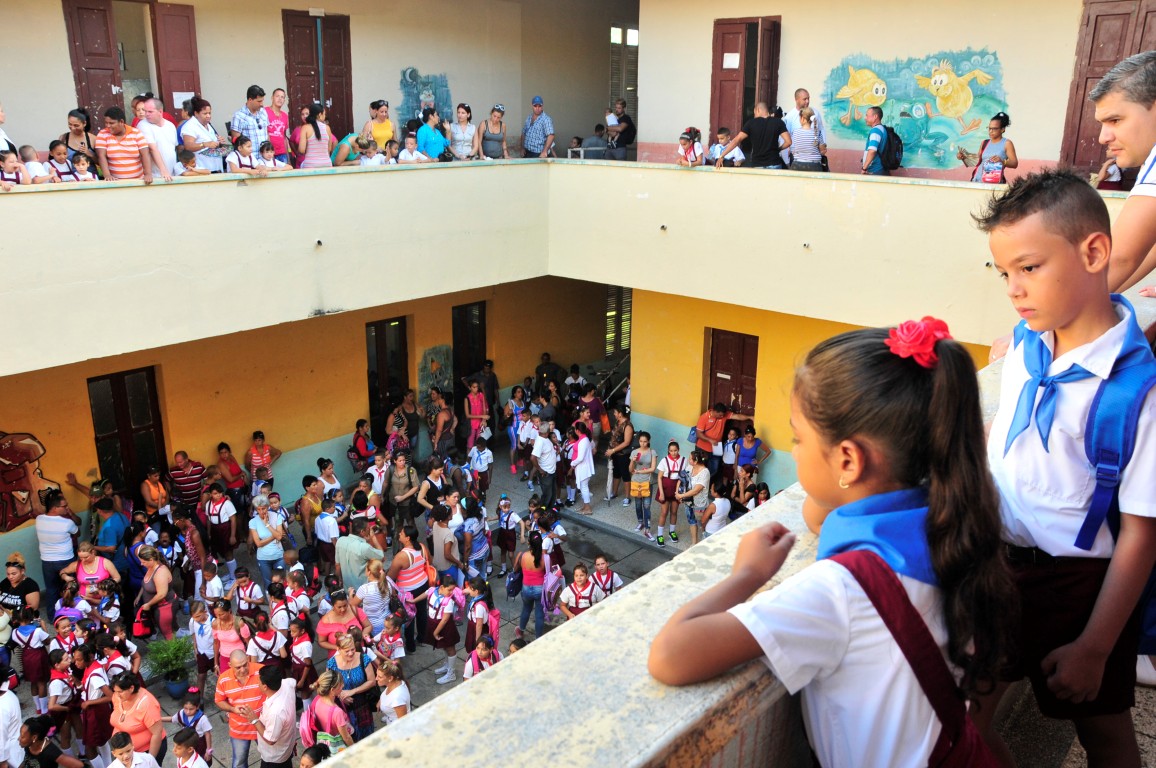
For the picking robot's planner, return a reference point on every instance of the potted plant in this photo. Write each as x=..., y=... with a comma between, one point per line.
x=171, y=660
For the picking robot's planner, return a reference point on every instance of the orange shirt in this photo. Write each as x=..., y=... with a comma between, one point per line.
x=135, y=720
x=709, y=426
x=123, y=152
x=238, y=694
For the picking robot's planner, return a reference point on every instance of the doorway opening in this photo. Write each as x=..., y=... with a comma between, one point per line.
x=126, y=424
x=387, y=368
x=734, y=364
x=469, y=342
x=745, y=70
x=318, y=66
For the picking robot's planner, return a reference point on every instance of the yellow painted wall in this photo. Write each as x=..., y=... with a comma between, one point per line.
x=301, y=382
x=670, y=358
x=676, y=38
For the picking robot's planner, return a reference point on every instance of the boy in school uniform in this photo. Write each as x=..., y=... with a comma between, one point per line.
x=1077, y=636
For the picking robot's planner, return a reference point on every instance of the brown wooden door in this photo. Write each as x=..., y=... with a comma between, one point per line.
x=727, y=76
x=387, y=368
x=338, y=74
x=175, y=36
x=1110, y=32
x=769, y=40
x=126, y=423
x=95, y=63
x=302, y=68
x=734, y=361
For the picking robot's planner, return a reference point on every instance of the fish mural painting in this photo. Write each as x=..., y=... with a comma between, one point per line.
x=936, y=103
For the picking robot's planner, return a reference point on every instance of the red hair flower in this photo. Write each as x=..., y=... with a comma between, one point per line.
x=917, y=340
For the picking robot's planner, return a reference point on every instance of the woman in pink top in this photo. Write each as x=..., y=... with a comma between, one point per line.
x=533, y=569
x=229, y=634
x=316, y=142
x=408, y=570
x=278, y=126
x=88, y=570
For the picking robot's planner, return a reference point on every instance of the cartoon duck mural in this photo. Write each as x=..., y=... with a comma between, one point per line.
x=953, y=96
x=864, y=88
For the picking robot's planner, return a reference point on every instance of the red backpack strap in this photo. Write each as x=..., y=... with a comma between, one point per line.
x=890, y=599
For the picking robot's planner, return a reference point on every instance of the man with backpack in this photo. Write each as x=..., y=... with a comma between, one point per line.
x=876, y=144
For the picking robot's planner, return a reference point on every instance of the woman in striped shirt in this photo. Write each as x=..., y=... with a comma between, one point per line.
x=806, y=150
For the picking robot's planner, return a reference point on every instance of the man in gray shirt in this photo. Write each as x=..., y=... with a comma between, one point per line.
x=354, y=552
x=595, y=145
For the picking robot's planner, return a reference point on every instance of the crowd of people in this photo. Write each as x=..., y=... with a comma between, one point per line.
x=152, y=144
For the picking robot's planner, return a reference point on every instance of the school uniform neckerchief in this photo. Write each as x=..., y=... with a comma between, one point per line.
x=1037, y=359
x=889, y=524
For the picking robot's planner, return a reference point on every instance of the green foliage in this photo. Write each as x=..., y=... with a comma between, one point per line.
x=171, y=659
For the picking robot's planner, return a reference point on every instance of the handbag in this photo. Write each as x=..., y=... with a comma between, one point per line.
x=446, y=157
x=692, y=435
x=142, y=626
x=959, y=742
x=486, y=432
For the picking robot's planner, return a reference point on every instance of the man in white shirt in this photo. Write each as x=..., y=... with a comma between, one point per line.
x=56, y=532
x=545, y=458
x=11, y=753
x=802, y=101
x=161, y=136
x=276, y=724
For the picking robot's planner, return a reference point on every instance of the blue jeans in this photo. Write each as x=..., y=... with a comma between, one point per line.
x=267, y=567
x=52, y=584
x=642, y=510
x=240, y=752
x=532, y=601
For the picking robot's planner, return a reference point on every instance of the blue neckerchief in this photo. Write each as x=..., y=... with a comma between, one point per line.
x=1037, y=358
x=889, y=524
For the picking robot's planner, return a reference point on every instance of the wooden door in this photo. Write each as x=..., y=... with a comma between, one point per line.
x=1110, y=32
x=92, y=49
x=769, y=41
x=175, y=41
x=126, y=423
x=727, y=76
x=734, y=361
x=302, y=67
x=387, y=368
x=337, y=72
x=469, y=343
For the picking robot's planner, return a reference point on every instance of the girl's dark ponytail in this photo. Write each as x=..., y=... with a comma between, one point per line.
x=963, y=523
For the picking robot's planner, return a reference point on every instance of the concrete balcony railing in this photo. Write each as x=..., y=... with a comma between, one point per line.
x=581, y=695
x=122, y=267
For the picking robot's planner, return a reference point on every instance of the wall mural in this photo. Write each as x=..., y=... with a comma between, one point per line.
x=419, y=91
x=936, y=103
x=436, y=369
x=22, y=484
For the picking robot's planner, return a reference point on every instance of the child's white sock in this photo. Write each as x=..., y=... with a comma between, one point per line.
x=97, y=762
x=42, y=704
x=105, y=753
x=661, y=529
x=232, y=566
x=570, y=493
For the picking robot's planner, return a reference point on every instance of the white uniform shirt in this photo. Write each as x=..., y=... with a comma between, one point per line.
x=862, y=704
x=164, y=137
x=1146, y=179
x=1045, y=495
x=10, y=722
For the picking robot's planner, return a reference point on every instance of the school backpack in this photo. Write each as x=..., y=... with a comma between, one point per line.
x=397, y=441
x=552, y=587
x=892, y=154
x=513, y=584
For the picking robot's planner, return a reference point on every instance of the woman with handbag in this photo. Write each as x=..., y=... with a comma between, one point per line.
x=996, y=153
x=409, y=571
x=156, y=593
x=358, y=685
x=266, y=535
x=477, y=413
x=200, y=138
x=532, y=566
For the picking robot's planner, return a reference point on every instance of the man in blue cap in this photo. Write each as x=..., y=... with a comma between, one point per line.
x=538, y=132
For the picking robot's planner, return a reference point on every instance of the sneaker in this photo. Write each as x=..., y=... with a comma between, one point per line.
x=638, y=528
x=502, y=572
x=661, y=541
x=674, y=535
x=569, y=502
x=448, y=677
x=441, y=670
x=513, y=470
x=649, y=536
x=529, y=486
x=518, y=632
x=626, y=502
x=1145, y=671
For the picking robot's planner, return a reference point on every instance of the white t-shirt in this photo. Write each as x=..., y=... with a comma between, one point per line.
x=262, y=648
x=248, y=595
x=718, y=520
x=1045, y=494
x=61, y=690
x=201, y=727
x=273, y=163
x=218, y=513
x=54, y=534
x=1146, y=179
x=325, y=527
x=235, y=158
x=164, y=137
x=139, y=760
x=584, y=598
x=480, y=461
x=214, y=588
x=414, y=156
x=36, y=169
x=202, y=134
x=508, y=520
x=545, y=453
x=398, y=697
x=378, y=159
x=862, y=704
x=202, y=637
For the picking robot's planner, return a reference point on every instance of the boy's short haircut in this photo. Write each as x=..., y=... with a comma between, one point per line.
x=1134, y=77
x=186, y=737
x=185, y=155
x=722, y=131
x=28, y=152
x=209, y=567
x=1071, y=208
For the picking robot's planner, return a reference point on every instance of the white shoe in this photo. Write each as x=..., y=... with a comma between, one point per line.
x=448, y=677
x=1145, y=671
x=638, y=528
x=626, y=502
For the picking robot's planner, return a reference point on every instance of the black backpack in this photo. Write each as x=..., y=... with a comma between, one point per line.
x=892, y=154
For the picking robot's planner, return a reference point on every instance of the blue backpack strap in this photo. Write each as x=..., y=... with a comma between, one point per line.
x=1109, y=439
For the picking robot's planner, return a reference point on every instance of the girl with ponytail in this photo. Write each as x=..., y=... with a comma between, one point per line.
x=889, y=447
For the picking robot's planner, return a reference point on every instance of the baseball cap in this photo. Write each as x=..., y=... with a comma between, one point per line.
x=536, y=101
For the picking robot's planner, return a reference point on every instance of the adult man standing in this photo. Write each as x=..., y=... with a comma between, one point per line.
x=548, y=370
x=354, y=552
x=595, y=146
x=710, y=428
x=876, y=143
x=187, y=476
x=622, y=135
x=276, y=734
x=545, y=458
x=538, y=132
x=791, y=120
x=161, y=136
x=56, y=532
x=251, y=120
x=121, y=150
x=765, y=133
x=238, y=691
x=110, y=537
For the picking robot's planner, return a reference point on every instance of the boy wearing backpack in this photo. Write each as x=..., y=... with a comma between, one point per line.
x=1079, y=567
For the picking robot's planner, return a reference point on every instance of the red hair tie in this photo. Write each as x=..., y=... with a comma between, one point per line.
x=917, y=340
